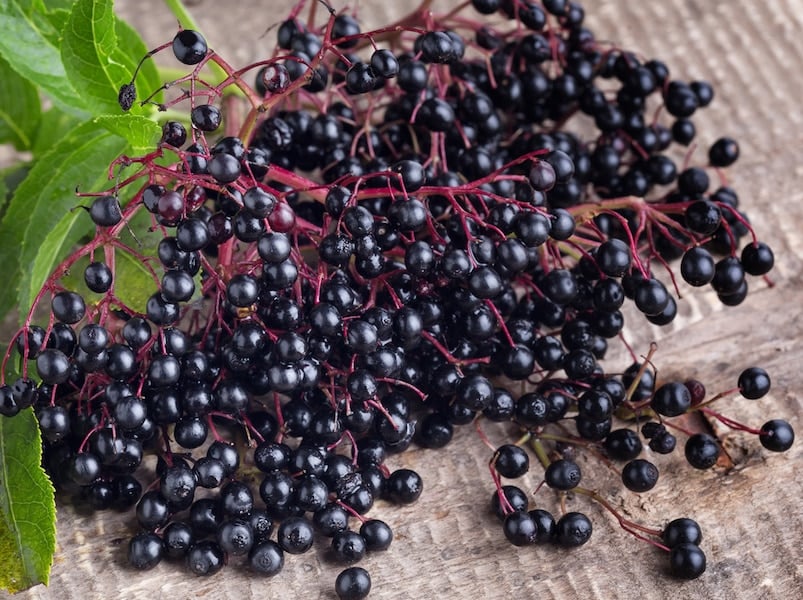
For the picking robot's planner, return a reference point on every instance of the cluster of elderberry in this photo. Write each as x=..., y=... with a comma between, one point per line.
x=404, y=221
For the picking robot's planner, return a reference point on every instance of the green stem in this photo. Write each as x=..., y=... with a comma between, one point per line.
x=540, y=452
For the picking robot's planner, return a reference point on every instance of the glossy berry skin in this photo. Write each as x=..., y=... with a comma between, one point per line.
x=545, y=525
x=651, y=296
x=236, y=499
x=378, y=535
x=777, y=435
x=682, y=531
x=435, y=431
x=174, y=134
x=613, y=257
x=702, y=451
x=145, y=551
x=205, y=558
x=206, y=117
x=384, y=63
x=353, y=583
x=224, y=168
x=295, y=535
x=757, y=259
x=754, y=383
x=639, y=475
x=520, y=528
x=573, y=529
x=266, y=558
x=178, y=537
x=622, y=444
x=404, y=486
x=671, y=399
x=105, y=211
x=68, y=307
x=687, y=561
x=723, y=152
x=236, y=537
x=53, y=366
x=563, y=475
x=152, y=510
x=98, y=277
x=511, y=461
x=189, y=47
x=697, y=266
x=348, y=547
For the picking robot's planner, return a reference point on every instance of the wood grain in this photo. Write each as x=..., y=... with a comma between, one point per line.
x=446, y=545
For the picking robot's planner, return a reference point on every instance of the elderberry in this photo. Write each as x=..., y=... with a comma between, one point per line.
x=393, y=237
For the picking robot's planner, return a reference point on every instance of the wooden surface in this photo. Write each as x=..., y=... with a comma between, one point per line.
x=446, y=545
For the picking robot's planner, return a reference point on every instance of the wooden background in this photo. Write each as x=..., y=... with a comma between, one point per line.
x=446, y=545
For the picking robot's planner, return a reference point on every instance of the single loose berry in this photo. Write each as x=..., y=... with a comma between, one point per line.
x=702, y=451
x=353, y=583
x=754, y=383
x=777, y=435
x=640, y=475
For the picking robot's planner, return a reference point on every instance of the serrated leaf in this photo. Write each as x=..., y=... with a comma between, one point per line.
x=20, y=108
x=80, y=160
x=27, y=507
x=86, y=51
x=96, y=60
x=30, y=44
x=141, y=133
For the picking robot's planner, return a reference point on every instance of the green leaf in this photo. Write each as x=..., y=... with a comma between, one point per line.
x=5, y=194
x=50, y=5
x=30, y=44
x=54, y=126
x=86, y=51
x=101, y=53
x=10, y=178
x=58, y=21
x=19, y=108
x=142, y=133
x=133, y=283
x=81, y=159
x=52, y=250
x=27, y=507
